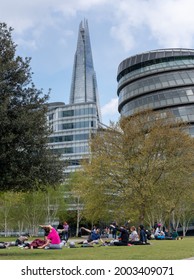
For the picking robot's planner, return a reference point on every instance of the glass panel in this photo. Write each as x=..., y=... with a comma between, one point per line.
x=176, y=100
x=184, y=99
x=191, y=98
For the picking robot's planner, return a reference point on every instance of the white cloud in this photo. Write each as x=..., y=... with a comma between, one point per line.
x=123, y=35
x=71, y=7
x=170, y=23
x=110, y=111
x=38, y=16
x=110, y=108
x=22, y=14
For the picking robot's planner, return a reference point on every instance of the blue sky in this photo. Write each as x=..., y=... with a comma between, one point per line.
x=46, y=31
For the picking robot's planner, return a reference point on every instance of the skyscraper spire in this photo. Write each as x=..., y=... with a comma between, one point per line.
x=84, y=84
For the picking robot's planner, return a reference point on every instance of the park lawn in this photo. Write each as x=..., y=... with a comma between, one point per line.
x=158, y=250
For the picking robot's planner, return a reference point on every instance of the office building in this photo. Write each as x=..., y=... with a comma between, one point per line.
x=161, y=79
x=73, y=124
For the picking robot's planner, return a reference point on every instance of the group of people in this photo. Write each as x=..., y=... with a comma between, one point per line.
x=132, y=237
x=162, y=233
x=121, y=236
x=124, y=238
x=53, y=239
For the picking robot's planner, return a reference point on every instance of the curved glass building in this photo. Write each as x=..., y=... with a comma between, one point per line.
x=159, y=80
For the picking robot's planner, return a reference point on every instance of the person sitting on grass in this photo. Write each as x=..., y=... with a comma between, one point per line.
x=94, y=236
x=142, y=235
x=124, y=236
x=159, y=234
x=175, y=235
x=133, y=237
x=52, y=240
x=21, y=240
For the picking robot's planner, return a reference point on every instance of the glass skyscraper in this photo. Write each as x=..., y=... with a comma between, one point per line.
x=160, y=80
x=84, y=85
x=73, y=124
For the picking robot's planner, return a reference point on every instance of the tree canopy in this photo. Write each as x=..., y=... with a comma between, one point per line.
x=141, y=165
x=25, y=159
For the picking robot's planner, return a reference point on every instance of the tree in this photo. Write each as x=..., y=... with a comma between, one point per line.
x=183, y=214
x=143, y=162
x=25, y=211
x=73, y=198
x=25, y=159
x=8, y=206
x=54, y=203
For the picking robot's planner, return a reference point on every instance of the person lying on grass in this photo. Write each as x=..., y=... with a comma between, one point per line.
x=4, y=245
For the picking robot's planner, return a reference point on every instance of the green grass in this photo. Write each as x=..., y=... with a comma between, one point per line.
x=158, y=250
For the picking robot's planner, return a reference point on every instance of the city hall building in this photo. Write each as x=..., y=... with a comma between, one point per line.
x=161, y=79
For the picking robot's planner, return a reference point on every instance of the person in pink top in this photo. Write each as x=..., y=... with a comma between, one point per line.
x=52, y=239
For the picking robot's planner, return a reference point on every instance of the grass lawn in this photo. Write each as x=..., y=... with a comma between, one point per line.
x=158, y=250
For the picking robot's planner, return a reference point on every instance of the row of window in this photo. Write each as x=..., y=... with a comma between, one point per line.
x=161, y=99
x=84, y=124
x=134, y=63
x=68, y=138
x=71, y=150
x=184, y=113
x=74, y=162
x=156, y=68
x=73, y=112
x=77, y=112
x=156, y=83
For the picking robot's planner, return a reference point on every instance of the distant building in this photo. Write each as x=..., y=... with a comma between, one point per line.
x=160, y=79
x=74, y=123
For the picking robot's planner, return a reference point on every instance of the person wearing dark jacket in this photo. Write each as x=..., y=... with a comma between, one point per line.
x=142, y=235
x=124, y=236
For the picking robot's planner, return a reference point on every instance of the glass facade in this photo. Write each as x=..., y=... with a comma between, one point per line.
x=84, y=83
x=159, y=80
x=73, y=124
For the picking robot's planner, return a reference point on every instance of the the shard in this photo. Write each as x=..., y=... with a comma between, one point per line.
x=73, y=124
x=84, y=84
